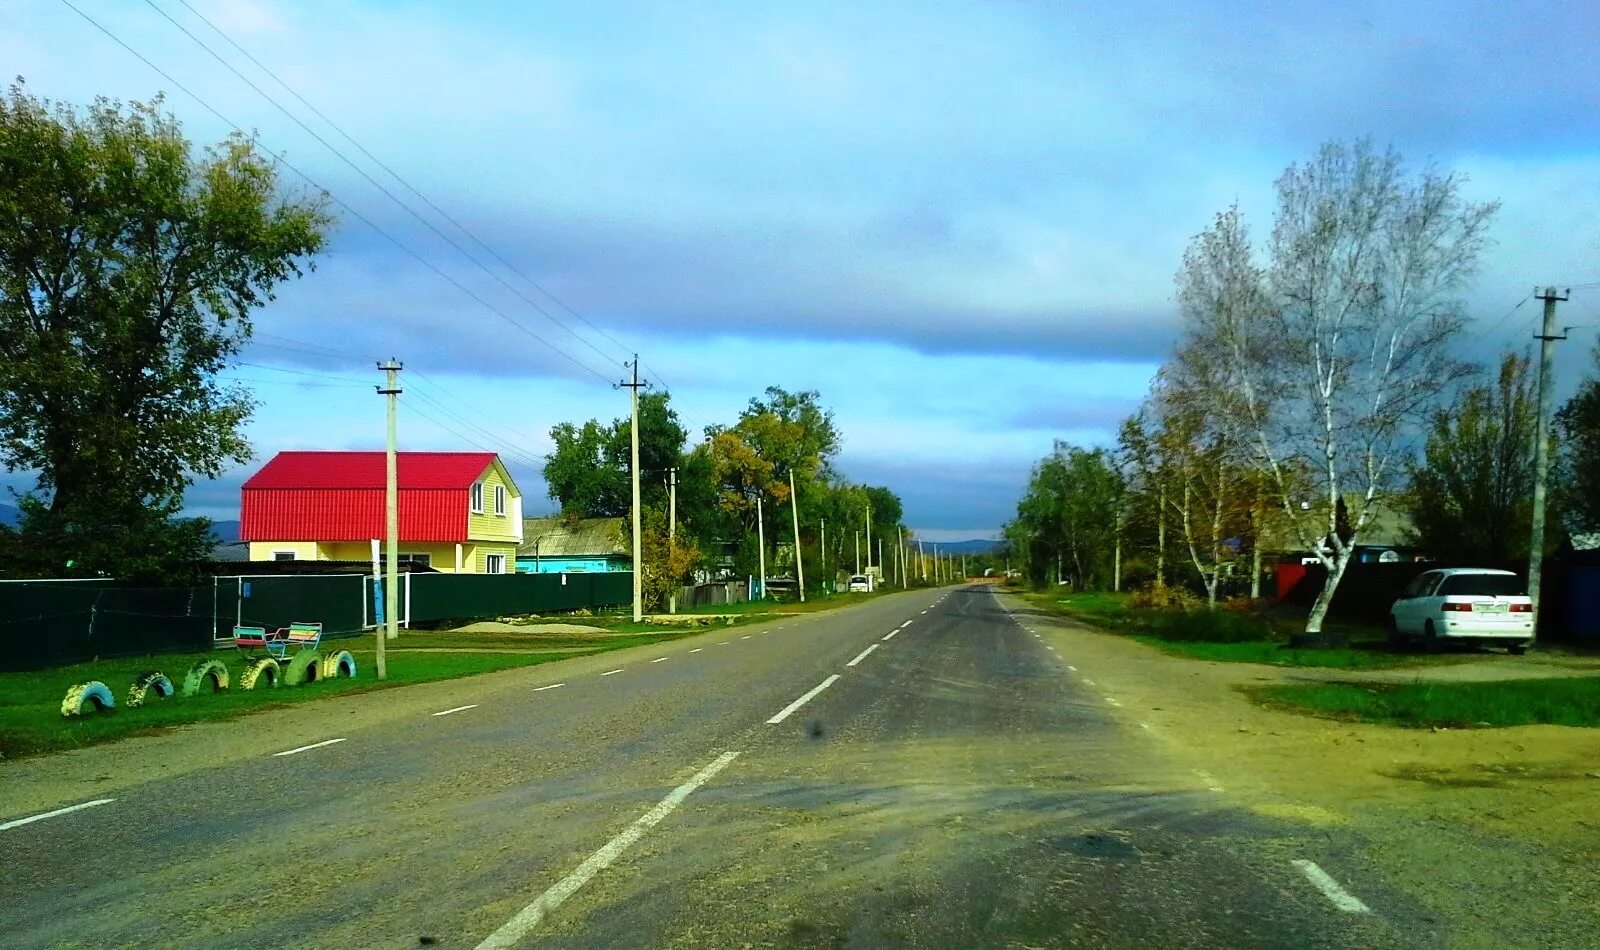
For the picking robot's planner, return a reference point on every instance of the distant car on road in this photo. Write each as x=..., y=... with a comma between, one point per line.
x=860, y=583
x=1469, y=604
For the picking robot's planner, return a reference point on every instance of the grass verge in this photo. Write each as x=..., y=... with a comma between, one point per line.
x=1561, y=702
x=1234, y=637
x=30, y=702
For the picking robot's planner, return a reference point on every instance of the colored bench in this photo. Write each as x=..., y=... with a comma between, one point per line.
x=301, y=636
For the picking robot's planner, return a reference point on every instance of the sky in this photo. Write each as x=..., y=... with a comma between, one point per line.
x=957, y=221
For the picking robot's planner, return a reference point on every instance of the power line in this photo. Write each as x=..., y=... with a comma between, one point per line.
x=335, y=198
x=362, y=172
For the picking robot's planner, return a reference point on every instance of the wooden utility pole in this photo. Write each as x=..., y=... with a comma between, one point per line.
x=799, y=564
x=638, y=554
x=672, y=535
x=1541, y=446
x=391, y=519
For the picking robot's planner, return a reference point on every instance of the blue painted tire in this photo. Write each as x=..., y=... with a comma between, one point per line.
x=206, y=671
x=338, y=664
x=149, y=685
x=92, y=696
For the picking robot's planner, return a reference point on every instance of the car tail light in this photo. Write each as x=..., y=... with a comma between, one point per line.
x=1462, y=608
x=1522, y=608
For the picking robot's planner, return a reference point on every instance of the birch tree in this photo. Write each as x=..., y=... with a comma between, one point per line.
x=1339, y=348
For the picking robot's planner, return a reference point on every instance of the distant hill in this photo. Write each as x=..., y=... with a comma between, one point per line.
x=974, y=546
x=226, y=531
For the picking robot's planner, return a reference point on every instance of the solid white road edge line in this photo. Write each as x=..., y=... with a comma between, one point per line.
x=457, y=709
x=531, y=916
x=19, y=822
x=314, y=745
x=891, y=633
x=780, y=717
x=862, y=655
x=610, y=672
x=1330, y=888
x=540, y=689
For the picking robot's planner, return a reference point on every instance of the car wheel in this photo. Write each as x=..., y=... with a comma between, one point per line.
x=1396, y=638
x=1517, y=649
x=1430, y=637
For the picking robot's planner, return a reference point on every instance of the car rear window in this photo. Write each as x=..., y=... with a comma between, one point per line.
x=1483, y=585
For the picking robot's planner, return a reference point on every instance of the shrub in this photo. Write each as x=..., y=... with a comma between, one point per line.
x=1208, y=626
x=1162, y=598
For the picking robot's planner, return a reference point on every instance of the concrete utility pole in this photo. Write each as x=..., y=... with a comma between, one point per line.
x=761, y=545
x=868, y=520
x=1541, y=446
x=880, y=557
x=672, y=534
x=799, y=564
x=391, y=519
x=963, y=567
x=858, y=551
x=638, y=554
x=823, y=541
x=922, y=562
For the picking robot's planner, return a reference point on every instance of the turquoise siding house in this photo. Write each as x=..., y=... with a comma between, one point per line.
x=565, y=546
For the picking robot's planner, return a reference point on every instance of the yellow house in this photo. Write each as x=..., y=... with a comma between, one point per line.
x=460, y=512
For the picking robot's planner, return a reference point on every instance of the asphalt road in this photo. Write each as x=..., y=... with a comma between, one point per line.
x=956, y=783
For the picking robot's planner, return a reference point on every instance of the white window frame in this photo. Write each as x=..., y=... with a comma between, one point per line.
x=488, y=563
x=500, y=500
x=425, y=558
x=477, y=498
x=293, y=555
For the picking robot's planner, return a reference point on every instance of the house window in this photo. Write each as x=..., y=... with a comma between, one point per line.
x=500, y=499
x=494, y=563
x=420, y=559
x=283, y=555
x=477, y=498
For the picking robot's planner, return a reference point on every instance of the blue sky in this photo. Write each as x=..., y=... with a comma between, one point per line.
x=959, y=221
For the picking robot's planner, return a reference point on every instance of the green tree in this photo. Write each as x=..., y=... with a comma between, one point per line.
x=1472, y=492
x=1066, y=519
x=129, y=270
x=588, y=473
x=1576, y=475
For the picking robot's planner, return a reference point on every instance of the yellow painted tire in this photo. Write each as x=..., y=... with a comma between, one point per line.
x=206, y=671
x=261, y=669
x=150, y=685
x=337, y=664
x=303, y=668
x=92, y=696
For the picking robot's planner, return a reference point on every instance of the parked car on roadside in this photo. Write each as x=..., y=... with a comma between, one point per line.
x=860, y=583
x=1464, y=604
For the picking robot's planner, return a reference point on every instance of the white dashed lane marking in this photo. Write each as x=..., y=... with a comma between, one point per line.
x=610, y=672
x=540, y=689
x=660, y=659
x=19, y=822
x=810, y=695
x=862, y=655
x=307, y=748
x=456, y=709
x=1330, y=888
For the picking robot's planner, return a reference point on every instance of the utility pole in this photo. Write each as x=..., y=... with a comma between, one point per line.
x=826, y=580
x=1541, y=447
x=963, y=567
x=799, y=564
x=761, y=544
x=922, y=562
x=391, y=518
x=858, y=551
x=672, y=535
x=868, y=520
x=880, y=557
x=638, y=554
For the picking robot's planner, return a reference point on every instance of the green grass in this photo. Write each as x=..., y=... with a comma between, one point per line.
x=1562, y=702
x=30, y=702
x=1234, y=637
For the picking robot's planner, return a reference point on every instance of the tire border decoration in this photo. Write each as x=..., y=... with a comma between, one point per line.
x=337, y=664
x=205, y=670
x=303, y=667
x=261, y=666
x=151, y=684
x=92, y=696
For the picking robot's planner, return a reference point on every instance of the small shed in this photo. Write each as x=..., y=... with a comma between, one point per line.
x=572, y=546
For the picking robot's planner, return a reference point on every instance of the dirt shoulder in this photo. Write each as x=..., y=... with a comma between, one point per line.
x=1534, y=782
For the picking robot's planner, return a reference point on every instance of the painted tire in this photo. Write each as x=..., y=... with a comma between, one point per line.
x=206, y=671
x=262, y=668
x=151, y=685
x=338, y=664
x=302, y=668
x=92, y=696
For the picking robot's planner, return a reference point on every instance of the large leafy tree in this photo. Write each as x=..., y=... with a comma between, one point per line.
x=588, y=473
x=130, y=266
x=1577, y=431
x=1471, y=492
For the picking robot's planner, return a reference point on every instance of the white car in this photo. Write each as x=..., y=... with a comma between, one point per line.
x=860, y=583
x=1467, y=604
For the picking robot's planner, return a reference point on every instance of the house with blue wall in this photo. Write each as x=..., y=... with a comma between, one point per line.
x=572, y=546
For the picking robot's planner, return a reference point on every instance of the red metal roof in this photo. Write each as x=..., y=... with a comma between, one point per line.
x=366, y=470
x=339, y=496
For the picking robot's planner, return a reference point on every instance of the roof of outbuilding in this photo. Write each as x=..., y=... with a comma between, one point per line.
x=414, y=470
x=562, y=537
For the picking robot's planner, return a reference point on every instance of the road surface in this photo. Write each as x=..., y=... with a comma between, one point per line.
x=921, y=770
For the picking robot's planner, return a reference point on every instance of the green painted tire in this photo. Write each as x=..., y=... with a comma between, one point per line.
x=150, y=685
x=206, y=671
x=259, y=669
x=338, y=664
x=303, y=668
x=92, y=696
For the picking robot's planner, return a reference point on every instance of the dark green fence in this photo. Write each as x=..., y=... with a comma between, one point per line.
x=51, y=623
